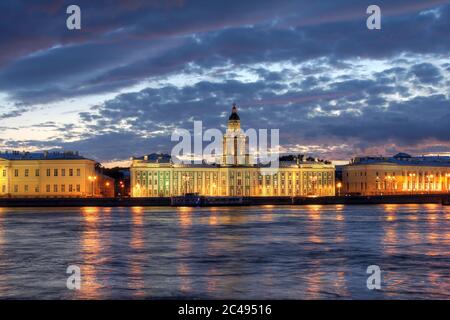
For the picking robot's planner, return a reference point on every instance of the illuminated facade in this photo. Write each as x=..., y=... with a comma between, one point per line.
x=401, y=174
x=51, y=174
x=156, y=176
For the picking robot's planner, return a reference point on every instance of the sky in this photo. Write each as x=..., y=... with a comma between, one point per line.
x=139, y=69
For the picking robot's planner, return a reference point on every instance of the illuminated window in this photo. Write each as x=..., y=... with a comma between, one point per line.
x=27, y=172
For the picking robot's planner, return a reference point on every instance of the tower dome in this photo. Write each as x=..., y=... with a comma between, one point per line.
x=234, y=116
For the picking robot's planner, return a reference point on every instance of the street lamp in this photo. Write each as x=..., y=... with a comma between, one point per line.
x=107, y=187
x=339, y=186
x=121, y=188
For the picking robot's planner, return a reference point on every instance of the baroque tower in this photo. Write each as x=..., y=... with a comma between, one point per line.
x=235, y=143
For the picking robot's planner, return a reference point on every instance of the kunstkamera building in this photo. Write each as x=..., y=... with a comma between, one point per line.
x=157, y=175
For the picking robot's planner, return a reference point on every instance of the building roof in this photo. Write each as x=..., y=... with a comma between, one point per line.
x=234, y=116
x=404, y=160
x=155, y=158
x=402, y=155
x=46, y=155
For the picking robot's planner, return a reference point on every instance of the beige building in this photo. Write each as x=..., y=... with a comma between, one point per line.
x=50, y=174
x=155, y=175
x=401, y=174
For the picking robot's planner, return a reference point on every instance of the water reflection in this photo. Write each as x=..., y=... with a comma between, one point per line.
x=136, y=282
x=90, y=248
x=314, y=216
x=340, y=224
x=240, y=252
x=390, y=239
x=3, y=275
x=184, y=248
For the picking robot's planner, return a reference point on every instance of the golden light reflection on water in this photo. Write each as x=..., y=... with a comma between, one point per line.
x=137, y=243
x=340, y=219
x=184, y=217
x=390, y=211
x=213, y=219
x=340, y=284
x=314, y=227
x=267, y=214
x=314, y=211
x=227, y=217
x=184, y=247
x=339, y=209
x=212, y=280
x=137, y=236
x=390, y=238
x=433, y=236
x=314, y=285
x=90, y=247
x=2, y=231
x=3, y=276
x=90, y=214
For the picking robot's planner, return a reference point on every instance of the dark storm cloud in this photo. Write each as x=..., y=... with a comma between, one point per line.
x=113, y=49
x=427, y=73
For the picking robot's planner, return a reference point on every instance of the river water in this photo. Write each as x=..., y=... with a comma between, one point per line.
x=276, y=252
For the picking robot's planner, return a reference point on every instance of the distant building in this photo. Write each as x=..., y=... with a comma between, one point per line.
x=51, y=174
x=400, y=174
x=121, y=178
x=156, y=175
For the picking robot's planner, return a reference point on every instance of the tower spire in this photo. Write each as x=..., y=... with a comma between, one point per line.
x=234, y=116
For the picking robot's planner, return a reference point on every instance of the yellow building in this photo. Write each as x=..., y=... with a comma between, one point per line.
x=50, y=174
x=156, y=175
x=401, y=174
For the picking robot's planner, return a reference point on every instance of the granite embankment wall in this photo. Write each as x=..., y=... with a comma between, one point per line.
x=247, y=201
